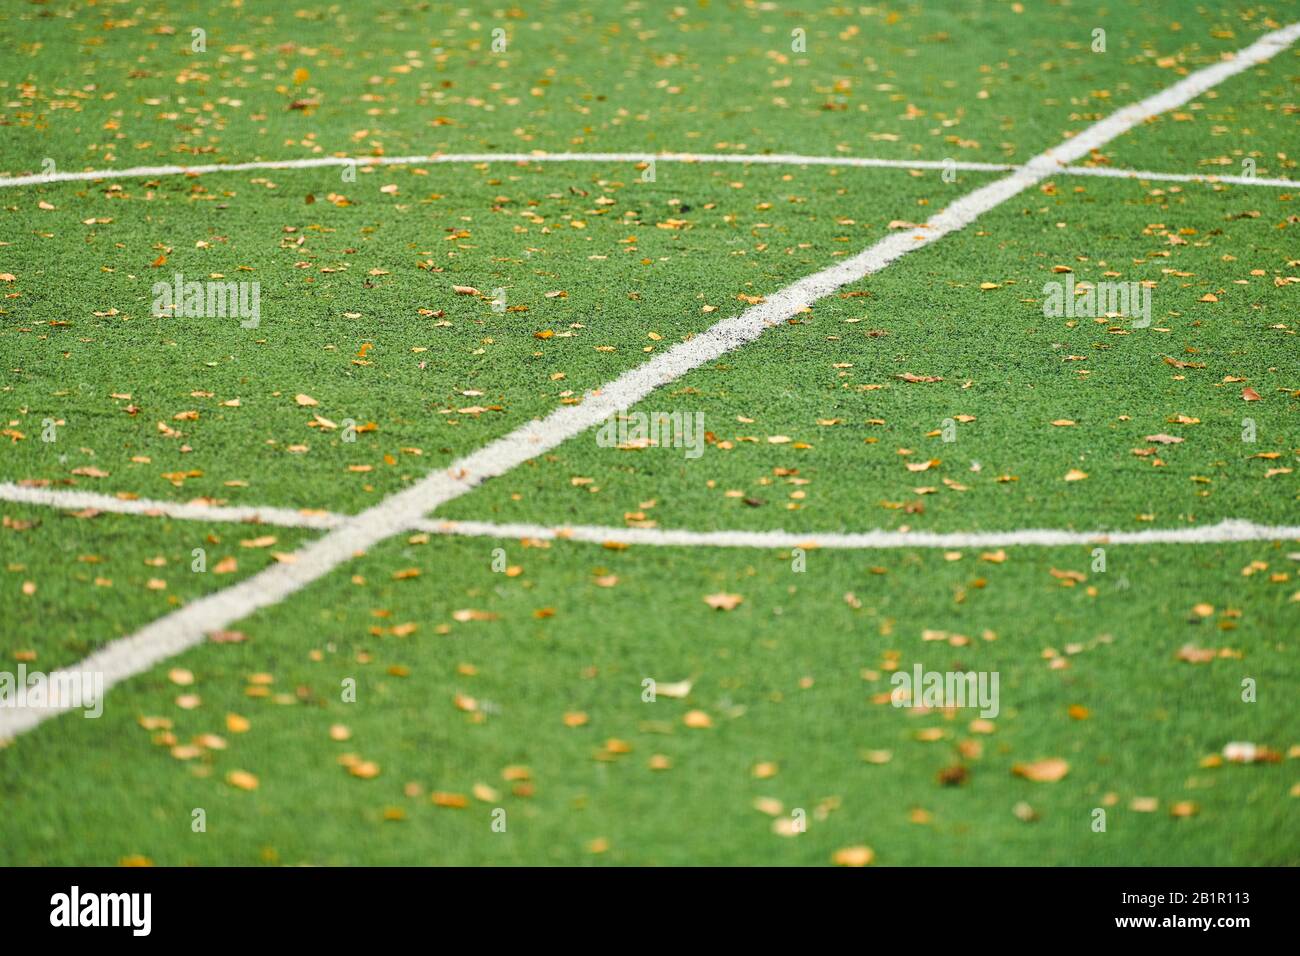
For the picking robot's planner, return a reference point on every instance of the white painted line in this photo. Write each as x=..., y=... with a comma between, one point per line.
x=70, y=499
x=1231, y=530
x=1207, y=178
x=1228, y=530
x=316, y=162
x=187, y=627
x=753, y=159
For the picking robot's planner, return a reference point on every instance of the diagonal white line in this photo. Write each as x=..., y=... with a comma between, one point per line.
x=187, y=626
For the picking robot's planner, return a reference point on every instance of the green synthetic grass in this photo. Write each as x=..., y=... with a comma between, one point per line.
x=118, y=84
x=1252, y=116
x=831, y=385
x=73, y=582
x=358, y=309
x=523, y=690
x=786, y=678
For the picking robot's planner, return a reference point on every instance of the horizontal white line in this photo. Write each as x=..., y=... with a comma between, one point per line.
x=1225, y=531
x=315, y=162
x=1230, y=530
x=190, y=511
x=760, y=159
x=1140, y=174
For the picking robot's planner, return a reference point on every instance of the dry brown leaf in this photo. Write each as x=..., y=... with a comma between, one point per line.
x=242, y=780
x=1049, y=770
x=723, y=601
x=853, y=856
x=697, y=720
x=912, y=377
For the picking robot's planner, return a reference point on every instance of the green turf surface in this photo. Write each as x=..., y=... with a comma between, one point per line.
x=788, y=678
x=831, y=384
x=523, y=690
x=1251, y=116
x=75, y=580
x=358, y=309
x=118, y=84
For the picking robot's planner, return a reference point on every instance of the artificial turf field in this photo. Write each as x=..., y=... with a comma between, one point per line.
x=500, y=676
